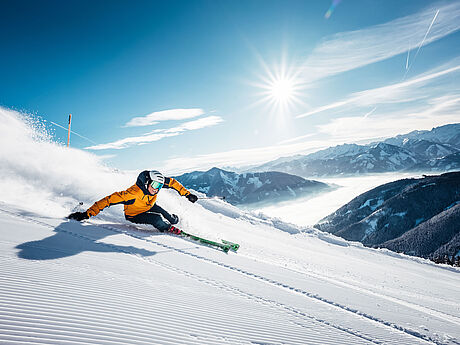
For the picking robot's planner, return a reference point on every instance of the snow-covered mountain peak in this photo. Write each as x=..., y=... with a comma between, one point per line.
x=337, y=151
x=447, y=134
x=250, y=187
x=415, y=151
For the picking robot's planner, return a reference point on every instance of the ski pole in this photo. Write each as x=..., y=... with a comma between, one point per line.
x=213, y=197
x=80, y=203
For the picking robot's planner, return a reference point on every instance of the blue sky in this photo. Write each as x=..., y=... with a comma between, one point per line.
x=186, y=85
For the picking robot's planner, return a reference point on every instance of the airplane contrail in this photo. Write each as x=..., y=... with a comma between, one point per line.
x=426, y=34
x=421, y=43
x=370, y=113
x=407, y=60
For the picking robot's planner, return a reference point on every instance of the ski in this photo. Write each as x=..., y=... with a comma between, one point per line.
x=225, y=245
x=233, y=246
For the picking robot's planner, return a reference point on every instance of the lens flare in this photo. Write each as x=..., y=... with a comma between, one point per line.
x=332, y=8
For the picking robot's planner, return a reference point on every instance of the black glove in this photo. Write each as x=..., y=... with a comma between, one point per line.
x=192, y=197
x=78, y=216
x=174, y=219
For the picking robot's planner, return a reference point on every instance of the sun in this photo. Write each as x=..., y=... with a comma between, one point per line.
x=280, y=88
x=281, y=92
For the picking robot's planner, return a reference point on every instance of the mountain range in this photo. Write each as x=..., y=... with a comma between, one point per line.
x=250, y=188
x=416, y=216
x=437, y=150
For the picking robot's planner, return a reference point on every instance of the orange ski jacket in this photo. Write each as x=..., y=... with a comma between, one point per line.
x=136, y=198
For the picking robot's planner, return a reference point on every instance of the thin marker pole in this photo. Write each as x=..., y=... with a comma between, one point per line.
x=68, y=136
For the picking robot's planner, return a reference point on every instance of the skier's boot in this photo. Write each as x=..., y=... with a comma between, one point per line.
x=174, y=230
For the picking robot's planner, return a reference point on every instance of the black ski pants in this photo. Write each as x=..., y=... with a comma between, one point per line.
x=154, y=216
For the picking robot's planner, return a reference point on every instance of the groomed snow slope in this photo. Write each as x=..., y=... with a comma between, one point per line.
x=106, y=282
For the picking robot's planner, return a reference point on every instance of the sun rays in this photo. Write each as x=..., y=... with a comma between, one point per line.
x=280, y=88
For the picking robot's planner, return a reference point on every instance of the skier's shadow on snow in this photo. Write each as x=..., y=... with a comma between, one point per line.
x=71, y=238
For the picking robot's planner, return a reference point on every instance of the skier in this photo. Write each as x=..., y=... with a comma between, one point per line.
x=139, y=201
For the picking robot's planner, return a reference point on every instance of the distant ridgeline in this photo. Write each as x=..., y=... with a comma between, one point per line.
x=249, y=188
x=418, y=217
x=437, y=150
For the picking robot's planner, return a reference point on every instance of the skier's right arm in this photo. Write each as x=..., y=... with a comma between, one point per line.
x=124, y=197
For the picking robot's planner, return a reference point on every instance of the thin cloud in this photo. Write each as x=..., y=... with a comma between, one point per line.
x=440, y=111
x=165, y=115
x=291, y=140
x=196, y=124
x=350, y=50
x=242, y=157
x=131, y=141
x=159, y=134
x=402, y=92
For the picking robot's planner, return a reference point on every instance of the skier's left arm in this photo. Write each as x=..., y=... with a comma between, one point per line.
x=174, y=184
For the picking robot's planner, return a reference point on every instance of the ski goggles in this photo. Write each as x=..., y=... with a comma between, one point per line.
x=156, y=185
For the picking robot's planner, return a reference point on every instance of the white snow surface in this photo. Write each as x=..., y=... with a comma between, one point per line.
x=105, y=281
